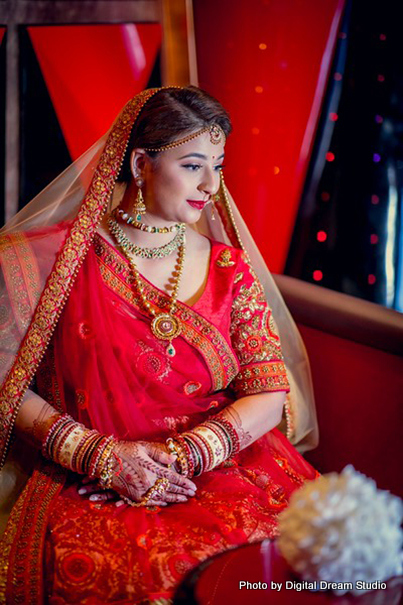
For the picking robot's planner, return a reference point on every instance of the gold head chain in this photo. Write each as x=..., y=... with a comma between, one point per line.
x=217, y=136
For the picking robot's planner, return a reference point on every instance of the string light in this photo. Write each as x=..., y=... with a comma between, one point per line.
x=376, y=157
x=381, y=78
x=317, y=275
x=321, y=236
x=258, y=89
x=378, y=119
x=374, y=199
x=371, y=279
x=262, y=46
x=333, y=116
x=330, y=156
x=374, y=238
x=276, y=170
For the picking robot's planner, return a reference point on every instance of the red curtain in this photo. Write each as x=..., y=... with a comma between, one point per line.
x=268, y=61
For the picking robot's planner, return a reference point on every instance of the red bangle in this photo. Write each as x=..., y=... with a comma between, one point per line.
x=188, y=454
x=220, y=419
x=119, y=461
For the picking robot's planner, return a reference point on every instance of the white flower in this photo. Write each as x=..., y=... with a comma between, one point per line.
x=340, y=528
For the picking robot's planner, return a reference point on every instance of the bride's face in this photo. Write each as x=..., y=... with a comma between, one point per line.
x=180, y=182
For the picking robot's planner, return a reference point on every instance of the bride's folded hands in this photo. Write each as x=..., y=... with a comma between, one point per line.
x=138, y=467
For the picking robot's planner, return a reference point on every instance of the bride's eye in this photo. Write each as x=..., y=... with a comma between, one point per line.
x=193, y=167
x=219, y=167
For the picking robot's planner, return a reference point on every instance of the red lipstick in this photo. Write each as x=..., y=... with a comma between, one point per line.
x=197, y=204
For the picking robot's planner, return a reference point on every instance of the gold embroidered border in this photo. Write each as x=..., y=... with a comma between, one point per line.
x=66, y=268
x=21, y=549
x=198, y=332
x=21, y=276
x=260, y=378
x=6, y=542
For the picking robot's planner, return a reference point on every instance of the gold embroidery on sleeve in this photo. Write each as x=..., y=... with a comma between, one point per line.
x=256, y=341
x=225, y=259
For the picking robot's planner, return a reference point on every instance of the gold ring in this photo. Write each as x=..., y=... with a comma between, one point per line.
x=159, y=487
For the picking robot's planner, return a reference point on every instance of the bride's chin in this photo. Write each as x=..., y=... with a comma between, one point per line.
x=186, y=214
x=192, y=214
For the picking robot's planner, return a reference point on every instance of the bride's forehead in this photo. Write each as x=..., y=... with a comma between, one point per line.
x=200, y=145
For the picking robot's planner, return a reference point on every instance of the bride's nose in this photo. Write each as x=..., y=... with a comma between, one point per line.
x=208, y=184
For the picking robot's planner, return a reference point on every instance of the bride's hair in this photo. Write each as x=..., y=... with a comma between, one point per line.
x=173, y=113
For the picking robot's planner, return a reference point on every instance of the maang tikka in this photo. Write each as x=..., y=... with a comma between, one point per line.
x=139, y=207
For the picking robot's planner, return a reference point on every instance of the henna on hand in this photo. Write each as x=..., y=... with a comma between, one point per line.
x=140, y=471
x=234, y=418
x=37, y=432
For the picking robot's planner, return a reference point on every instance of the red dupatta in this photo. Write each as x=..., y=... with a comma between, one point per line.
x=27, y=345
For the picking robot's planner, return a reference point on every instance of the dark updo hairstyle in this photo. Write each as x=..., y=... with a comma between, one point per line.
x=170, y=114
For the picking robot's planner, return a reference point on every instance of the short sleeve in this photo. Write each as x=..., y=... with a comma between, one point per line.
x=254, y=337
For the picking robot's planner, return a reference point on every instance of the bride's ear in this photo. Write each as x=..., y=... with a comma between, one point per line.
x=137, y=162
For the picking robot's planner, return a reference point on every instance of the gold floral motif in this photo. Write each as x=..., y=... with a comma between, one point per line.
x=255, y=339
x=225, y=259
x=253, y=332
x=261, y=378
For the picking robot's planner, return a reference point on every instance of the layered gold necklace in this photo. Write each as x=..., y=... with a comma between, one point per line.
x=164, y=326
x=152, y=253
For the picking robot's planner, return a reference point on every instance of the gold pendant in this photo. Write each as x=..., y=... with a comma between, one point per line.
x=166, y=326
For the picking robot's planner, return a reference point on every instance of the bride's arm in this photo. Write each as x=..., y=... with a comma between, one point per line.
x=219, y=437
x=255, y=415
x=34, y=418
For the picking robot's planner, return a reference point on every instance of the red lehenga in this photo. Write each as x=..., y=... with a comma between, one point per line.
x=106, y=368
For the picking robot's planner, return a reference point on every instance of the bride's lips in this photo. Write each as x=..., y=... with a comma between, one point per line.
x=197, y=204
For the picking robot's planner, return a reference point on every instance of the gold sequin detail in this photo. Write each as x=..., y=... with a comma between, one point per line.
x=225, y=259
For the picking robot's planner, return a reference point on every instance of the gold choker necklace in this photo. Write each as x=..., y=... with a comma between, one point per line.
x=164, y=326
x=120, y=214
x=152, y=253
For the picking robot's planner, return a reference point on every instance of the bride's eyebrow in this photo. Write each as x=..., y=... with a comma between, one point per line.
x=198, y=155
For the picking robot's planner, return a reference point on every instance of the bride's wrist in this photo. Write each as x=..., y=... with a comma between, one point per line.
x=205, y=447
x=84, y=451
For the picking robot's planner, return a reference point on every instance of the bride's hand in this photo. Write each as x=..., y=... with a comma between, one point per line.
x=142, y=464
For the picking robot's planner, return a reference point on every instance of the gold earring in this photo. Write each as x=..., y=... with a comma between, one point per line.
x=215, y=198
x=139, y=207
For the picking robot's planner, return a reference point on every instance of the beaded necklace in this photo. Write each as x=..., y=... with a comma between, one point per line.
x=130, y=220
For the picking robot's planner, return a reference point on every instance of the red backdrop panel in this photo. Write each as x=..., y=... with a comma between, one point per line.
x=268, y=62
x=2, y=32
x=91, y=71
x=358, y=392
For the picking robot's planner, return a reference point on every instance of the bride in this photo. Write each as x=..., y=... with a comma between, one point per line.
x=140, y=351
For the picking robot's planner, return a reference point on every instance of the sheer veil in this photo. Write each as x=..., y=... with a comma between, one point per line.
x=44, y=245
